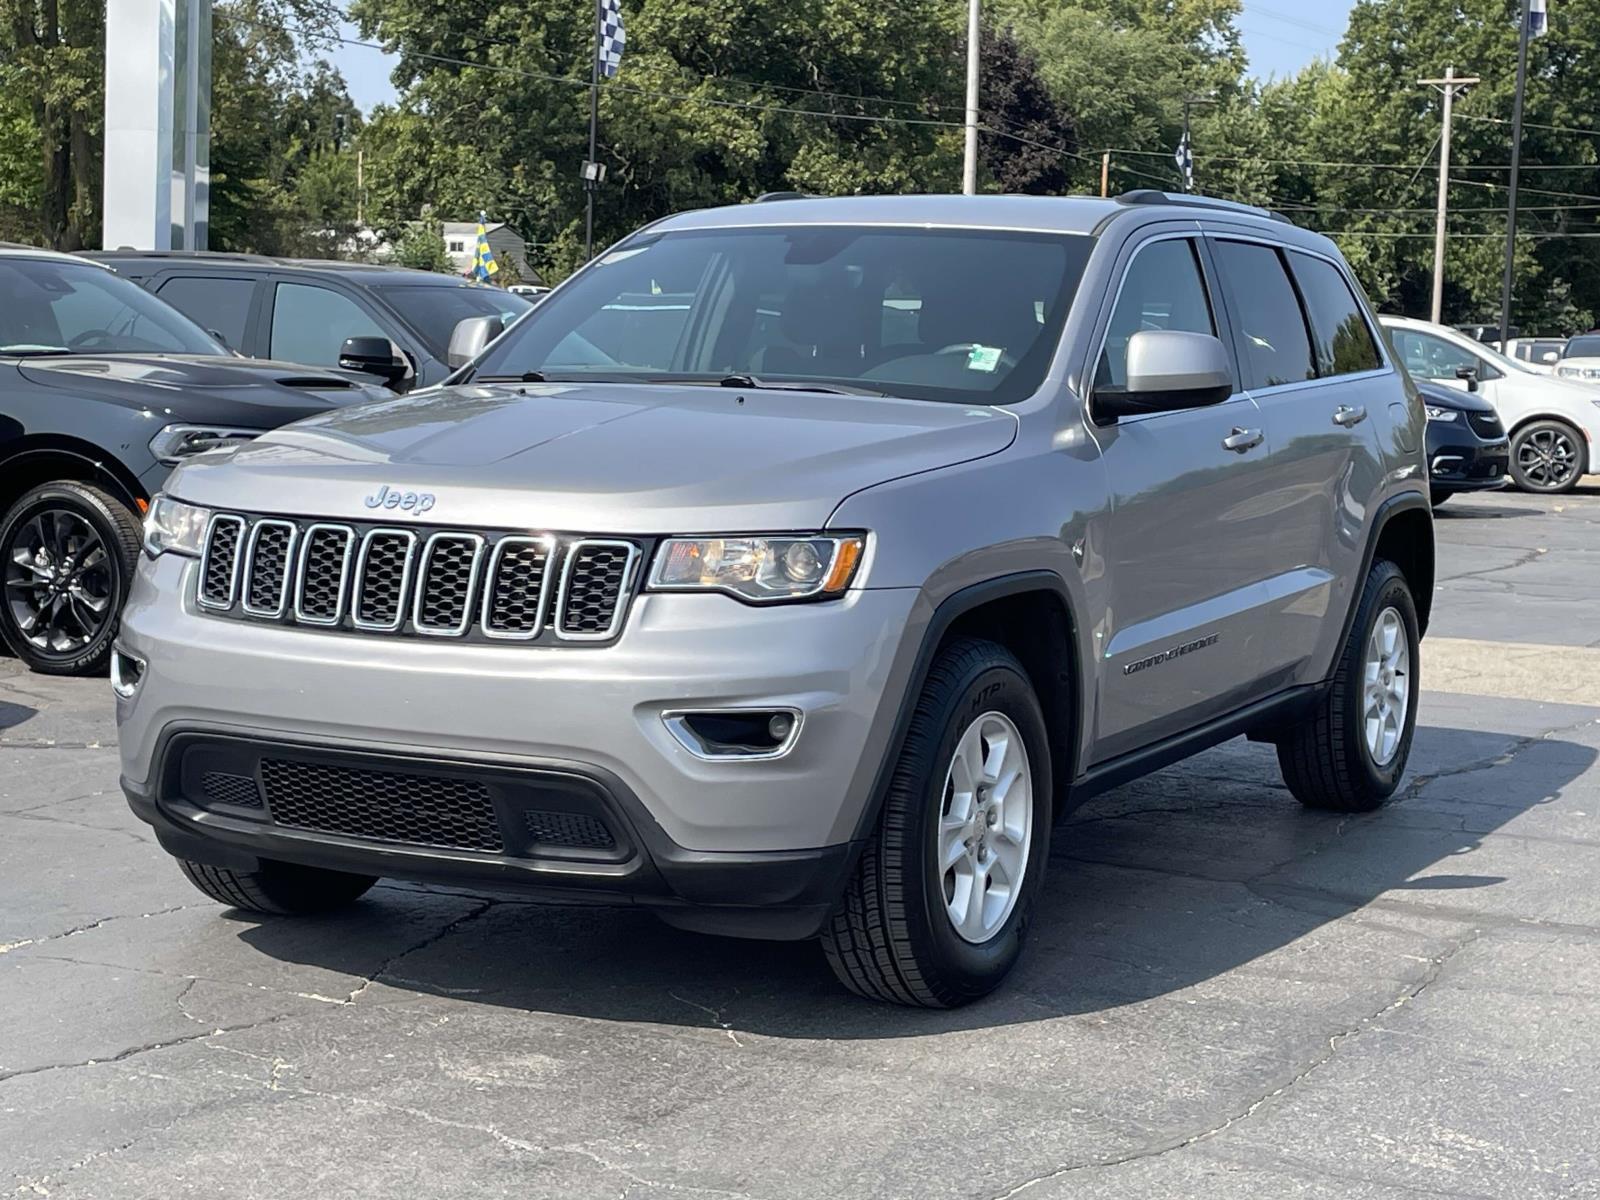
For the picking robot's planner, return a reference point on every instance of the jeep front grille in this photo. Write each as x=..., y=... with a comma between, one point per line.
x=441, y=583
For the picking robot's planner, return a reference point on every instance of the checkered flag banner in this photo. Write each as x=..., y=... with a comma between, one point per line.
x=1538, y=19
x=1184, y=157
x=612, y=37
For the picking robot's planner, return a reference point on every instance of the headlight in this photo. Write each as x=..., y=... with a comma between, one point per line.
x=178, y=442
x=800, y=566
x=172, y=525
x=1441, y=414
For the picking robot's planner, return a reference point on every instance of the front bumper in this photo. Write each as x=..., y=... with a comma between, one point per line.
x=739, y=832
x=1459, y=460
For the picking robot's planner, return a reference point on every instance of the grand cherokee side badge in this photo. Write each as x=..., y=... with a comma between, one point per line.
x=1170, y=653
x=411, y=502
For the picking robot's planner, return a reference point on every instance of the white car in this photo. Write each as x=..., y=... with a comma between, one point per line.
x=1580, y=359
x=1554, y=423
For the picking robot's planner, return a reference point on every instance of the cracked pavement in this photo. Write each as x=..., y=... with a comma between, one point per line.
x=1224, y=996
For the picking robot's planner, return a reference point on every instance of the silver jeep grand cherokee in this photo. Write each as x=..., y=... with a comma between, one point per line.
x=791, y=569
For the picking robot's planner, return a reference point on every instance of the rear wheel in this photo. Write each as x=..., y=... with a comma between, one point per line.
x=279, y=888
x=941, y=900
x=1349, y=754
x=1548, y=456
x=67, y=552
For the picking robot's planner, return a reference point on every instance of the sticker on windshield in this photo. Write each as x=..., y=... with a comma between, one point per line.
x=983, y=358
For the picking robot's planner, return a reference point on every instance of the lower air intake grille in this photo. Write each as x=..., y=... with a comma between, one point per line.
x=239, y=790
x=387, y=806
x=576, y=830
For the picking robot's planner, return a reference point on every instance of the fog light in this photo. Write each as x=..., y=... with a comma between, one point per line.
x=735, y=733
x=127, y=673
x=780, y=726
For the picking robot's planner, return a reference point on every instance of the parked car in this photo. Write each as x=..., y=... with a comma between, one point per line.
x=103, y=389
x=1580, y=359
x=1540, y=353
x=796, y=618
x=306, y=310
x=1553, y=423
x=1467, y=447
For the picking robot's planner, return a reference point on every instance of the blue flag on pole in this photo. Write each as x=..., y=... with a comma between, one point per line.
x=483, y=263
x=612, y=37
x=1538, y=19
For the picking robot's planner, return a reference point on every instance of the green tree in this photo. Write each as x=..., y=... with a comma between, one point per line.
x=421, y=247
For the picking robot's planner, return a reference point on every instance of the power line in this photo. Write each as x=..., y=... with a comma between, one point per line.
x=1322, y=162
x=1534, y=125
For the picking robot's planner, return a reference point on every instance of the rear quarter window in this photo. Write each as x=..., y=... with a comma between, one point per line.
x=1341, y=337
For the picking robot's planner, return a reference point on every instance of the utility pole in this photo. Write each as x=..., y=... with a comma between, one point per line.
x=1516, y=167
x=969, y=159
x=591, y=169
x=1449, y=85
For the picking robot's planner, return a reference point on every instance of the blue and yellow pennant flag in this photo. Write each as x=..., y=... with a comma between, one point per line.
x=483, y=263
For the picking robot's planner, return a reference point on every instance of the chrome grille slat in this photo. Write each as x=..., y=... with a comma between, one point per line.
x=595, y=579
x=447, y=578
x=383, y=579
x=517, y=588
x=414, y=582
x=320, y=588
x=219, y=561
x=268, y=567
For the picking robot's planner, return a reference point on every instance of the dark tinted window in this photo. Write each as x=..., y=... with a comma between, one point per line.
x=1342, y=337
x=1583, y=346
x=56, y=306
x=935, y=314
x=434, y=310
x=220, y=305
x=1163, y=289
x=310, y=324
x=1266, y=313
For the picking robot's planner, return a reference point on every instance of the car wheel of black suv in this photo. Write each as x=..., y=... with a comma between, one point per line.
x=278, y=888
x=1349, y=754
x=937, y=910
x=1547, y=456
x=67, y=552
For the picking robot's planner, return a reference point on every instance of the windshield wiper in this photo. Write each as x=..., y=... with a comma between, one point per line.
x=33, y=351
x=743, y=379
x=524, y=377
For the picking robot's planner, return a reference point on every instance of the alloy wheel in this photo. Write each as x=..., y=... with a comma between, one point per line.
x=59, y=581
x=985, y=827
x=1387, y=686
x=1547, y=458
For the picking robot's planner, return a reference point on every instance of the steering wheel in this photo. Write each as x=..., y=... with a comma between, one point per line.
x=93, y=339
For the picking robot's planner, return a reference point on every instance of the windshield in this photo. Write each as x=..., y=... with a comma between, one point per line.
x=48, y=306
x=960, y=315
x=1583, y=346
x=433, y=310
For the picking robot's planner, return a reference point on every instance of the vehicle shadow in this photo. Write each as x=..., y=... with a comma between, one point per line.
x=13, y=714
x=1163, y=884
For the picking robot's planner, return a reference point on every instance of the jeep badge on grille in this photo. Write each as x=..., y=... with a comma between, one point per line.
x=412, y=502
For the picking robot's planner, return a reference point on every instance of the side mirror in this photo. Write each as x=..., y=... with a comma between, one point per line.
x=1168, y=369
x=1469, y=376
x=469, y=337
x=374, y=356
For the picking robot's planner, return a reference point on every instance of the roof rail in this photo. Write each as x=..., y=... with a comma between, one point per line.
x=1190, y=200
x=207, y=255
x=768, y=197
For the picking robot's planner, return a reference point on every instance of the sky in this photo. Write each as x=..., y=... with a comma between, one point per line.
x=1280, y=37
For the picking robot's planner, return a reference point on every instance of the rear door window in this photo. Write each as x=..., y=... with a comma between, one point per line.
x=1273, y=341
x=1342, y=338
x=213, y=302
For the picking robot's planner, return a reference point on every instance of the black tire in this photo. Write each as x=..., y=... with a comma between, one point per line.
x=1568, y=448
x=1325, y=760
x=76, y=639
x=278, y=888
x=890, y=937
x=1439, y=498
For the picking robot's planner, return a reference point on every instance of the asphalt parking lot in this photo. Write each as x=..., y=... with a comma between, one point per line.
x=1224, y=995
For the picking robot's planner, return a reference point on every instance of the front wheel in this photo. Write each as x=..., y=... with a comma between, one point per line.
x=1548, y=456
x=1348, y=755
x=937, y=910
x=67, y=552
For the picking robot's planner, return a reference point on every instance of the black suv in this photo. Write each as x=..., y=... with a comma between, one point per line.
x=103, y=389
x=304, y=310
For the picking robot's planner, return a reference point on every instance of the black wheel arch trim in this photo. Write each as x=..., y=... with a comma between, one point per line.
x=98, y=467
x=945, y=615
x=1408, y=501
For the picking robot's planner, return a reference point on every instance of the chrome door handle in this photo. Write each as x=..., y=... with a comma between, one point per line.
x=1347, y=416
x=1241, y=440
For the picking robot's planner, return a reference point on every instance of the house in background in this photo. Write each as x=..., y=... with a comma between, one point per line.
x=461, y=240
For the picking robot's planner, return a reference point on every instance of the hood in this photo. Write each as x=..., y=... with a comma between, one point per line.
x=599, y=458
x=1458, y=399
x=249, y=393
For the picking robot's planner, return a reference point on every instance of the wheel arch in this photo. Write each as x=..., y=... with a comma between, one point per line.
x=1402, y=534
x=1031, y=614
x=32, y=461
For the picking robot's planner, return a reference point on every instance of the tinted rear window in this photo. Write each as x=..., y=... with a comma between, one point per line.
x=1266, y=315
x=1583, y=346
x=1343, y=339
x=433, y=310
